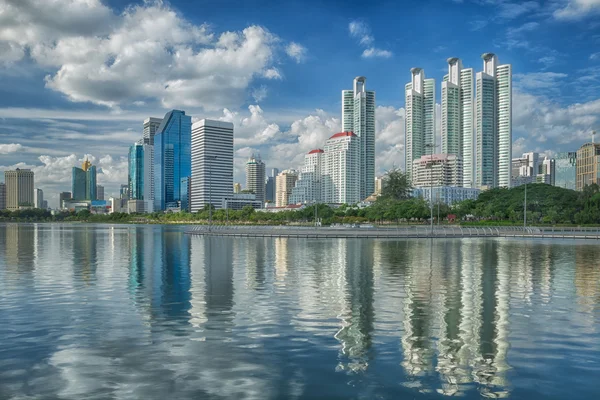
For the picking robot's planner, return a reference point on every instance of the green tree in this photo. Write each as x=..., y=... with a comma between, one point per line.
x=396, y=185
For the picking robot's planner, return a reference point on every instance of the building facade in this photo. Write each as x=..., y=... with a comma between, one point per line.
x=2, y=196
x=237, y=188
x=38, y=198
x=270, y=186
x=358, y=116
x=285, y=182
x=255, y=178
x=238, y=201
x=62, y=197
x=19, y=185
x=493, y=127
x=446, y=194
x=565, y=167
x=212, y=163
x=172, y=158
x=83, y=182
x=457, y=116
x=99, y=192
x=420, y=118
x=437, y=170
x=588, y=165
x=308, y=187
x=341, y=183
x=151, y=125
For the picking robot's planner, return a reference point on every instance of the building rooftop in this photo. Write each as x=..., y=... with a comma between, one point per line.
x=342, y=134
x=316, y=151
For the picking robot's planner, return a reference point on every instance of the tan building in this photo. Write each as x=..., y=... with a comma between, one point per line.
x=19, y=189
x=237, y=187
x=588, y=165
x=378, y=185
x=285, y=182
x=437, y=170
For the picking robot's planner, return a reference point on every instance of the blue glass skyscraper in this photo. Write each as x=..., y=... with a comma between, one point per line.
x=172, y=158
x=136, y=172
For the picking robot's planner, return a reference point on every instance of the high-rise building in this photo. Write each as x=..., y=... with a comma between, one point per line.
x=99, y=192
x=493, y=127
x=83, y=183
x=19, y=188
x=212, y=163
x=186, y=191
x=565, y=166
x=124, y=192
x=38, y=198
x=457, y=116
x=151, y=125
x=270, y=186
x=237, y=188
x=255, y=178
x=546, y=171
x=437, y=170
x=62, y=197
x=379, y=185
x=286, y=181
x=588, y=165
x=2, y=196
x=358, y=116
x=525, y=169
x=341, y=183
x=420, y=118
x=308, y=187
x=172, y=158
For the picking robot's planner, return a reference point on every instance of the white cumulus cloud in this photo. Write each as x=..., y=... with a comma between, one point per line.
x=362, y=33
x=296, y=51
x=577, y=9
x=10, y=148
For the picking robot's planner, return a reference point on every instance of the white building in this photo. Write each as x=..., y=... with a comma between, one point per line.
x=446, y=194
x=493, y=127
x=457, y=116
x=437, y=170
x=358, y=116
x=341, y=178
x=238, y=201
x=38, y=198
x=308, y=187
x=212, y=163
x=420, y=117
x=255, y=178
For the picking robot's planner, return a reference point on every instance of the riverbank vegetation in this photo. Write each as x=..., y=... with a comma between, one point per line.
x=545, y=205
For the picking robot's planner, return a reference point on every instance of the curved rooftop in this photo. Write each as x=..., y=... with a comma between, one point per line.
x=342, y=134
x=452, y=60
x=316, y=151
x=416, y=70
x=487, y=56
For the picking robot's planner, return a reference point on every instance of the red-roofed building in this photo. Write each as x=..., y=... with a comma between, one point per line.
x=308, y=187
x=341, y=169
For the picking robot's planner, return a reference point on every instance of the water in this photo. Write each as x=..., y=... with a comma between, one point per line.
x=126, y=312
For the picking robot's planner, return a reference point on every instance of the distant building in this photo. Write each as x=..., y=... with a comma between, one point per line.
x=308, y=187
x=38, y=198
x=186, y=191
x=588, y=165
x=124, y=192
x=437, y=170
x=151, y=125
x=237, y=201
x=62, y=197
x=341, y=178
x=255, y=178
x=546, y=171
x=285, y=182
x=2, y=196
x=446, y=194
x=358, y=116
x=100, y=192
x=136, y=207
x=44, y=205
x=141, y=174
x=379, y=185
x=237, y=188
x=565, y=167
x=172, y=158
x=212, y=163
x=19, y=185
x=83, y=183
x=271, y=188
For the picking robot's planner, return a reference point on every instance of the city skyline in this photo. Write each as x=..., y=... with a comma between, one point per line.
x=278, y=115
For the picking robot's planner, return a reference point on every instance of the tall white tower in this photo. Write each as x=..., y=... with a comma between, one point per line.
x=457, y=117
x=212, y=163
x=493, y=129
x=358, y=116
x=420, y=117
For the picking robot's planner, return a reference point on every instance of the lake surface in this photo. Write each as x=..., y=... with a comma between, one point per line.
x=147, y=312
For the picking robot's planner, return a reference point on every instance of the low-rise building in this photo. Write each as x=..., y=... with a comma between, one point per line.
x=446, y=194
x=437, y=170
x=237, y=201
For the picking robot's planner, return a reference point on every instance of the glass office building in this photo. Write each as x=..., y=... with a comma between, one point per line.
x=83, y=182
x=172, y=158
x=136, y=172
x=565, y=170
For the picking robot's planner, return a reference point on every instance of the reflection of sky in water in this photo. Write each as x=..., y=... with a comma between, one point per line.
x=147, y=312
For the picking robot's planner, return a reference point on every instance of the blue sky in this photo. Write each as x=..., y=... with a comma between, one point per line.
x=77, y=77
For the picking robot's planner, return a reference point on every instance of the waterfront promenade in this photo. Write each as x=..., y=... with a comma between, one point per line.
x=421, y=231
